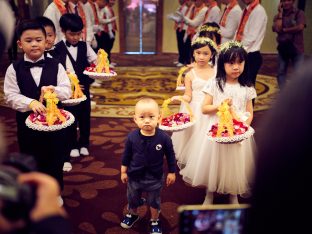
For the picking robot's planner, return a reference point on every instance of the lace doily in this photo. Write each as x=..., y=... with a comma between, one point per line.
x=233, y=139
x=40, y=127
x=100, y=76
x=180, y=88
x=73, y=102
x=176, y=128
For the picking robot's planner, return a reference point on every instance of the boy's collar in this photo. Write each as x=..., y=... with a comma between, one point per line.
x=52, y=48
x=33, y=61
x=68, y=44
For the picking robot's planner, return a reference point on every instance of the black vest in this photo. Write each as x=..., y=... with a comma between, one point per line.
x=27, y=84
x=79, y=65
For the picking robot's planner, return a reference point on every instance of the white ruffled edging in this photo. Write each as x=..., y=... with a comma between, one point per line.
x=100, y=76
x=40, y=127
x=73, y=102
x=176, y=127
x=180, y=88
x=233, y=139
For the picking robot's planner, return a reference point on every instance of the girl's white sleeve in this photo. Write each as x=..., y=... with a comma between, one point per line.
x=251, y=93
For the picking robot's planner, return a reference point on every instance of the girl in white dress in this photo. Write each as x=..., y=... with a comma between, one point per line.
x=186, y=143
x=225, y=168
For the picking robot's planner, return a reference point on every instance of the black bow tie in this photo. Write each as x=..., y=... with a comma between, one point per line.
x=68, y=44
x=39, y=63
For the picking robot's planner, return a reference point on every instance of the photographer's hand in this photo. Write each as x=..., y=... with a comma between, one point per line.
x=47, y=195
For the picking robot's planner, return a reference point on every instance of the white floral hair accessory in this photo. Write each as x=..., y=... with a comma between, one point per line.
x=207, y=28
x=205, y=40
x=229, y=44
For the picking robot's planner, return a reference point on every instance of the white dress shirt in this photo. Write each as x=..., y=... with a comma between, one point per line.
x=231, y=24
x=178, y=19
x=102, y=21
x=198, y=19
x=88, y=26
x=53, y=13
x=89, y=12
x=90, y=29
x=110, y=18
x=186, y=16
x=91, y=56
x=214, y=15
x=254, y=30
x=18, y=101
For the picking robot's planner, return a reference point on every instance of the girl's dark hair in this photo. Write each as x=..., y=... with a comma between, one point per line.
x=199, y=45
x=230, y=56
x=71, y=22
x=212, y=34
x=29, y=24
x=46, y=22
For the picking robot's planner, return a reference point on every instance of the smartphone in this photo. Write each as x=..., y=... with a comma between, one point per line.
x=211, y=219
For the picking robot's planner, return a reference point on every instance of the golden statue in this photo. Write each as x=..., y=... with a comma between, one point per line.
x=226, y=119
x=76, y=90
x=53, y=113
x=102, y=62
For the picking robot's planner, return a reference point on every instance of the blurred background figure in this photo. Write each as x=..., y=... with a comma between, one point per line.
x=250, y=33
x=229, y=19
x=7, y=22
x=281, y=199
x=289, y=24
x=12, y=51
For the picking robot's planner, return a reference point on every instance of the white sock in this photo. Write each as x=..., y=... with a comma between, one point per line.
x=233, y=199
x=208, y=198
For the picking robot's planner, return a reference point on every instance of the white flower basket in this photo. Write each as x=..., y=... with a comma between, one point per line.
x=233, y=139
x=176, y=126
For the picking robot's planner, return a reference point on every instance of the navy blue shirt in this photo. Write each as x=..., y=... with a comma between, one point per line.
x=145, y=154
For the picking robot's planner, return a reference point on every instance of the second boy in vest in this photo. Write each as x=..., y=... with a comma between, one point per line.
x=76, y=55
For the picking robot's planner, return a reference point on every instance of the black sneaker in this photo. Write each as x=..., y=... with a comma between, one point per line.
x=129, y=220
x=155, y=227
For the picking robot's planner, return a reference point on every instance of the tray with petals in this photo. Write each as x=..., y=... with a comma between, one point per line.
x=90, y=71
x=38, y=122
x=74, y=101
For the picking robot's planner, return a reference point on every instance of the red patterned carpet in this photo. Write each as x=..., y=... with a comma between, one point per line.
x=95, y=199
x=94, y=196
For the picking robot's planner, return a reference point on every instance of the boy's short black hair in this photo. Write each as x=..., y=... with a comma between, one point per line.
x=45, y=21
x=29, y=24
x=71, y=22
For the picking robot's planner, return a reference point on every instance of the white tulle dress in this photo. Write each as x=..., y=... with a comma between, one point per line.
x=186, y=143
x=223, y=168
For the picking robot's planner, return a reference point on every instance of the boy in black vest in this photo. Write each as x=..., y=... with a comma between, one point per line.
x=51, y=35
x=76, y=55
x=50, y=52
x=24, y=81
